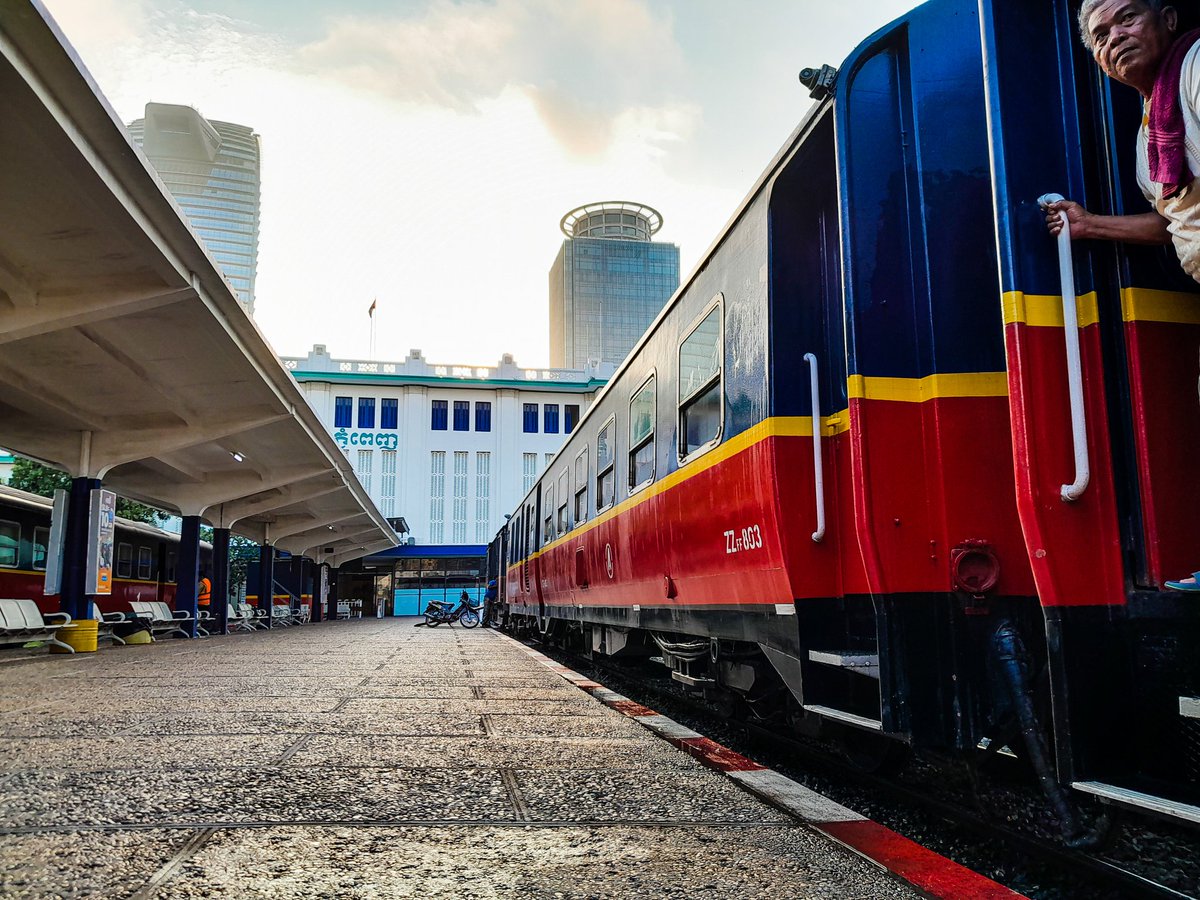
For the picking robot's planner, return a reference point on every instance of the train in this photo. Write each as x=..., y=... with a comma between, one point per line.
x=143, y=560
x=841, y=481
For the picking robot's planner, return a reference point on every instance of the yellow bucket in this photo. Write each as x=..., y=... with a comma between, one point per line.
x=80, y=634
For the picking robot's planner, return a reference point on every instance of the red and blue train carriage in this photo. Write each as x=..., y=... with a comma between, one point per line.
x=144, y=556
x=890, y=279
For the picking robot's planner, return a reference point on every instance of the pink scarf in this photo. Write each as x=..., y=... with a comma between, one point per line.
x=1166, y=149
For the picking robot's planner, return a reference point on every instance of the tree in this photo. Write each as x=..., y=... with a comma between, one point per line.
x=35, y=478
x=242, y=551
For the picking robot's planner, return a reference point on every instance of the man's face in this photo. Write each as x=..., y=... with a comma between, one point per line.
x=1130, y=40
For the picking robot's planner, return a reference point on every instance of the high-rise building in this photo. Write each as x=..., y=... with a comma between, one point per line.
x=608, y=282
x=212, y=170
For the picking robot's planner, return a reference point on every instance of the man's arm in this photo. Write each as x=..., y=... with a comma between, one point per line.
x=1144, y=228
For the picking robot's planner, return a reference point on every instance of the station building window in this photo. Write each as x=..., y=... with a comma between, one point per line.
x=606, y=475
x=529, y=425
x=389, y=413
x=145, y=567
x=366, y=412
x=483, y=416
x=550, y=418
x=570, y=417
x=10, y=543
x=462, y=415
x=343, y=412
x=440, y=411
x=641, y=435
x=41, y=545
x=700, y=390
x=124, y=560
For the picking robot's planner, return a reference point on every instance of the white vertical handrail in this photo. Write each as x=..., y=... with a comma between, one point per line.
x=1066, y=274
x=818, y=460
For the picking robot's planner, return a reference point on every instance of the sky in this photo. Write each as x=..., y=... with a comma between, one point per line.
x=422, y=152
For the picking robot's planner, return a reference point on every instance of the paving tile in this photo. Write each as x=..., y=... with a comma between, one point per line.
x=482, y=863
x=579, y=705
x=265, y=794
x=145, y=753
x=660, y=796
x=90, y=864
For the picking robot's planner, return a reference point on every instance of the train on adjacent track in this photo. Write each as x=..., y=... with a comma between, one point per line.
x=143, y=564
x=840, y=481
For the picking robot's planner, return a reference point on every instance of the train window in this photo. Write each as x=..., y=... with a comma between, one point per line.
x=564, y=497
x=700, y=392
x=10, y=543
x=171, y=567
x=144, y=567
x=548, y=509
x=606, y=475
x=581, y=486
x=124, y=560
x=641, y=436
x=41, y=545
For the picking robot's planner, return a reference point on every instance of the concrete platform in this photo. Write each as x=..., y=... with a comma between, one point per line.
x=371, y=759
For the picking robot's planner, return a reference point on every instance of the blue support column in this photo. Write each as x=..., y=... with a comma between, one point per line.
x=331, y=609
x=74, y=599
x=187, y=569
x=318, y=601
x=266, y=582
x=220, y=580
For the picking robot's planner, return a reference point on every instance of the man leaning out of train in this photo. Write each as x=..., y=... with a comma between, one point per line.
x=1140, y=43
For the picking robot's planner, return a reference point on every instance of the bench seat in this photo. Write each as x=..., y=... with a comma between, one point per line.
x=21, y=621
x=160, y=619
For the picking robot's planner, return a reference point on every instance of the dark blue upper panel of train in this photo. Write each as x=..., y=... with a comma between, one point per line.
x=883, y=248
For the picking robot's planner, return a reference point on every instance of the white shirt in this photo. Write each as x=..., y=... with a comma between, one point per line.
x=1182, y=211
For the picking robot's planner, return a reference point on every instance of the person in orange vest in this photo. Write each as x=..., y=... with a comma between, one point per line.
x=204, y=591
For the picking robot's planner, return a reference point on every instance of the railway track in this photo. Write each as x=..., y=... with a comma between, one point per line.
x=1027, y=861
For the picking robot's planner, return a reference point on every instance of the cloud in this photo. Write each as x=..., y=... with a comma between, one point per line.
x=583, y=64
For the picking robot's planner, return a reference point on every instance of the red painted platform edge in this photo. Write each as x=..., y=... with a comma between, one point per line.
x=929, y=872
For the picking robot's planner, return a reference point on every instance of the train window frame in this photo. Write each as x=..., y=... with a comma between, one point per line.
x=610, y=468
x=44, y=544
x=172, y=572
x=646, y=440
x=123, y=561
x=16, y=549
x=564, y=501
x=548, y=514
x=149, y=567
x=686, y=402
x=581, y=487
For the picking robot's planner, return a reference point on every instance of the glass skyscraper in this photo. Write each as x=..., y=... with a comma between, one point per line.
x=608, y=282
x=212, y=170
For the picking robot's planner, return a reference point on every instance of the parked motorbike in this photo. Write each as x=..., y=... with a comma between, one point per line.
x=440, y=612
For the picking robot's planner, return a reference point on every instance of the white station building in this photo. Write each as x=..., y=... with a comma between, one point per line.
x=451, y=448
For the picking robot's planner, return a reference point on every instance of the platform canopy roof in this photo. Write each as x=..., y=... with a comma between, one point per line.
x=124, y=353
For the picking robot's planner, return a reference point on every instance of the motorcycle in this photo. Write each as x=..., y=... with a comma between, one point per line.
x=440, y=612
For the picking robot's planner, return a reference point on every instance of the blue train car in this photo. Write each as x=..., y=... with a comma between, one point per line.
x=830, y=480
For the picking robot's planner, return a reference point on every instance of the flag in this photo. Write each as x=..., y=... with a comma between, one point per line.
x=371, y=309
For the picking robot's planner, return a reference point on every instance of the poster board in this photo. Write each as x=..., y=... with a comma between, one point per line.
x=102, y=521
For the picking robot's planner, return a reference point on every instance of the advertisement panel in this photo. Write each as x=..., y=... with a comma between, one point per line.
x=102, y=521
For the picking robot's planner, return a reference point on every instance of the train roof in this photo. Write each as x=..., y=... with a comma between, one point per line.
x=11, y=496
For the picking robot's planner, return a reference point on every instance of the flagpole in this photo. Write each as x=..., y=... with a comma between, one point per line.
x=371, y=340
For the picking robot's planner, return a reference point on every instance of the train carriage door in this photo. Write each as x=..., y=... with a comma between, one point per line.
x=1105, y=532
x=1150, y=322
x=928, y=449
